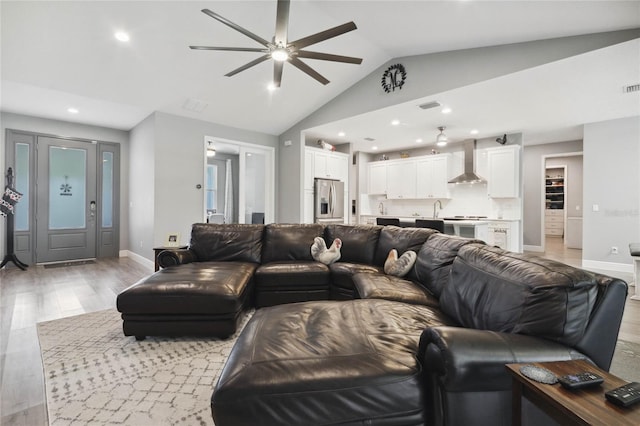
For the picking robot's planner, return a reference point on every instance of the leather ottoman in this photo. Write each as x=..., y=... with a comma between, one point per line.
x=327, y=362
x=195, y=299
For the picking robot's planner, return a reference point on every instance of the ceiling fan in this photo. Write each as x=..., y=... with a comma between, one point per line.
x=281, y=50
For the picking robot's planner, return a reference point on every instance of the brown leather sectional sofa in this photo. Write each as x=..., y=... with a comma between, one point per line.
x=347, y=344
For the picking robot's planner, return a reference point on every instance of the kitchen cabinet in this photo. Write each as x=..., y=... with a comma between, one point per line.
x=330, y=165
x=432, y=176
x=401, y=179
x=503, y=180
x=377, y=178
x=308, y=207
x=504, y=234
x=308, y=170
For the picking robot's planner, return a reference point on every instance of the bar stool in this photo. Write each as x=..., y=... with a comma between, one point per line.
x=438, y=225
x=388, y=221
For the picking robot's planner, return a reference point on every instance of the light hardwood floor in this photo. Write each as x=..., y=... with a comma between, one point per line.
x=39, y=294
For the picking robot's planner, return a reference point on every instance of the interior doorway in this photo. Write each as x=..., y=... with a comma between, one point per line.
x=69, y=210
x=562, y=200
x=239, y=182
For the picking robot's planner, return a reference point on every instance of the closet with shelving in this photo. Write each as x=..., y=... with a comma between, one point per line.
x=555, y=196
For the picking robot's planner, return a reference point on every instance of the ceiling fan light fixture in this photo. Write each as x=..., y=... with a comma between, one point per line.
x=280, y=54
x=441, y=139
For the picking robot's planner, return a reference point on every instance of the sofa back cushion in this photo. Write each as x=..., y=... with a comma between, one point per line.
x=289, y=241
x=435, y=259
x=401, y=239
x=358, y=241
x=494, y=289
x=240, y=243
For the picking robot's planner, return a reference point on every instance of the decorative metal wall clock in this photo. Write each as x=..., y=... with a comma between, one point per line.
x=394, y=78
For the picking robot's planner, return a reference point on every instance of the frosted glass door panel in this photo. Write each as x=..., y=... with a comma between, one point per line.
x=255, y=179
x=67, y=188
x=107, y=189
x=22, y=186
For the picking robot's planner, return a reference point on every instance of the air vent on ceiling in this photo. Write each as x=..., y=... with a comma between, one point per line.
x=631, y=88
x=429, y=105
x=194, y=105
x=369, y=139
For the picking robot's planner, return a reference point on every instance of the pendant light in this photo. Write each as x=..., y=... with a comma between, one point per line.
x=441, y=139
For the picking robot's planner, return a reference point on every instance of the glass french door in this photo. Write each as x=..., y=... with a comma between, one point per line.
x=67, y=210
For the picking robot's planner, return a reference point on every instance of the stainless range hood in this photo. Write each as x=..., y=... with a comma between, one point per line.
x=469, y=175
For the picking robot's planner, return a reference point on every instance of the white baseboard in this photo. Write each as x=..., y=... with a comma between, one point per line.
x=533, y=248
x=607, y=266
x=135, y=256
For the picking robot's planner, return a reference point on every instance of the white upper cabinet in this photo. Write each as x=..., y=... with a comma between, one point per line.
x=377, y=178
x=503, y=180
x=308, y=170
x=330, y=165
x=401, y=179
x=432, y=176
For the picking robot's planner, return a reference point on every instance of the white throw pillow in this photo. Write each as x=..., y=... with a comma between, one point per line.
x=399, y=266
x=321, y=253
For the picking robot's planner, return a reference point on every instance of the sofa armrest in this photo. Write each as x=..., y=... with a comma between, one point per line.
x=473, y=360
x=173, y=257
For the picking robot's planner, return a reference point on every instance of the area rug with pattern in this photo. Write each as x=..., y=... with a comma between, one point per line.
x=94, y=375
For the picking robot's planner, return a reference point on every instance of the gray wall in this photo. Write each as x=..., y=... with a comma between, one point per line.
x=141, y=206
x=426, y=75
x=174, y=156
x=611, y=181
x=533, y=179
x=72, y=130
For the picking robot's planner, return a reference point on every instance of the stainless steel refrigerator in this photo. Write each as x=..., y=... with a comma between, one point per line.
x=328, y=201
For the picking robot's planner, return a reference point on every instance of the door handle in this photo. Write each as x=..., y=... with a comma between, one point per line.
x=92, y=209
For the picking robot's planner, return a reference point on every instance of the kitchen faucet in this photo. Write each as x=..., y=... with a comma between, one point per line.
x=435, y=213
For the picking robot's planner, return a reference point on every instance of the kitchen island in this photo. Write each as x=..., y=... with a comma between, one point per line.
x=463, y=227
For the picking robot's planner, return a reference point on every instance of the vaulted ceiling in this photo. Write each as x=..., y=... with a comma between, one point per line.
x=56, y=55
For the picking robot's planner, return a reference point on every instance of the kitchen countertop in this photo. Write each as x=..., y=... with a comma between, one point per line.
x=448, y=222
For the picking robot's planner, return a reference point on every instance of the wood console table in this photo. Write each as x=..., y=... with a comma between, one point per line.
x=586, y=406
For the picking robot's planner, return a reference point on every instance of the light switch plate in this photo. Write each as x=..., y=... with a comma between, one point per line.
x=596, y=208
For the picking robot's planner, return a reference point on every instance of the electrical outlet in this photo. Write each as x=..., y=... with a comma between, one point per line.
x=614, y=250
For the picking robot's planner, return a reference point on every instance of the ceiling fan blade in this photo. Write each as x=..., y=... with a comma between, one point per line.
x=328, y=57
x=231, y=49
x=249, y=65
x=236, y=27
x=307, y=69
x=322, y=35
x=278, y=66
x=282, y=22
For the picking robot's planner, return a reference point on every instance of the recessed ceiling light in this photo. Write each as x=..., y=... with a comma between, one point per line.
x=395, y=122
x=474, y=132
x=72, y=110
x=418, y=140
x=342, y=134
x=122, y=36
x=375, y=148
x=272, y=87
x=446, y=110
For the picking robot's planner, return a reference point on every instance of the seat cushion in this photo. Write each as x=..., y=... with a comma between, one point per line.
x=194, y=288
x=292, y=275
x=388, y=287
x=342, y=278
x=321, y=363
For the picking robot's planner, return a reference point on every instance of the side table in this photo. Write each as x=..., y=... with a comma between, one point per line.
x=586, y=406
x=157, y=250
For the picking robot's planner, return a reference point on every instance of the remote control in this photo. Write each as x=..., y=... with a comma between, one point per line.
x=580, y=380
x=624, y=395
